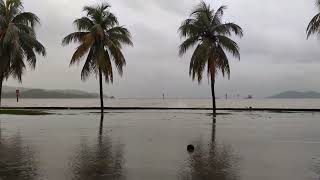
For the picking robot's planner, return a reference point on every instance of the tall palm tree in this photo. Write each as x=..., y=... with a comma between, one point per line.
x=18, y=42
x=314, y=25
x=101, y=39
x=205, y=30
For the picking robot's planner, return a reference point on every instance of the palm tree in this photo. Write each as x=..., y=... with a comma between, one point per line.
x=205, y=30
x=18, y=42
x=101, y=39
x=314, y=25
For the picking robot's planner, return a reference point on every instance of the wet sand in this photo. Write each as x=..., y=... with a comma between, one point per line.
x=137, y=145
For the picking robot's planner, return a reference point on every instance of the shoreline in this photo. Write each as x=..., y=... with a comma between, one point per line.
x=165, y=108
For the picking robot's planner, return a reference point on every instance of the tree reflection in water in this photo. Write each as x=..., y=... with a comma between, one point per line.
x=101, y=161
x=16, y=159
x=315, y=168
x=210, y=162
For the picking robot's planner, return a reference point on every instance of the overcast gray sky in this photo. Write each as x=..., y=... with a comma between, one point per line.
x=275, y=55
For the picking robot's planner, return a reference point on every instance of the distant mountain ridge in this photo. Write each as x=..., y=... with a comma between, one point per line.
x=296, y=95
x=29, y=93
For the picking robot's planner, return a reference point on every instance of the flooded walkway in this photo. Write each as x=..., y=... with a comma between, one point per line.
x=137, y=145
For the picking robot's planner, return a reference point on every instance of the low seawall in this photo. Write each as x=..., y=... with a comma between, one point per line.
x=165, y=108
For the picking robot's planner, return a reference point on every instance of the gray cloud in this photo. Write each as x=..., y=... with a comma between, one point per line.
x=275, y=54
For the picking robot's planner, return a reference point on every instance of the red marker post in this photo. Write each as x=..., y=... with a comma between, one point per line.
x=17, y=94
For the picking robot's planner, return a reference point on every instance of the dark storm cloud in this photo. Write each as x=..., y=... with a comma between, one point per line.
x=275, y=54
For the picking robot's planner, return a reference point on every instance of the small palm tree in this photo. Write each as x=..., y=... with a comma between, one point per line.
x=314, y=25
x=18, y=42
x=101, y=39
x=205, y=30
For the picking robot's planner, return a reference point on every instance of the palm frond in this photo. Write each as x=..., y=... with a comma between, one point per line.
x=33, y=43
x=219, y=13
x=198, y=61
x=108, y=71
x=83, y=23
x=189, y=27
x=11, y=35
x=104, y=6
x=13, y=7
x=120, y=35
x=26, y=29
x=188, y=43
x=228, y=29
x=82, y=49
x=17, y=65
x=314, y=26
x=30, y=56
x=223, y=62
x=200, y=8
x=118, y=58
x=76, y=37
x=229, y=45
x=87, y=68
x=109, y=20
x=27, y=18
x=104, y=64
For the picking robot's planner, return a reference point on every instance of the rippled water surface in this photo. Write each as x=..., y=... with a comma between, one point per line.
x=137, y=145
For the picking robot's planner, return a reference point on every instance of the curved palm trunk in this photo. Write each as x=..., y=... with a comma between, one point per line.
x=213, y=99
x=101, y=95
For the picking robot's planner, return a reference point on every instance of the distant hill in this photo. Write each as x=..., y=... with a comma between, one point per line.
x=29, y=93
x=296, y=95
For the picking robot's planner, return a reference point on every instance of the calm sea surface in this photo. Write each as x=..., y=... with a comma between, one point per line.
x=143, y=145
x=178, y=103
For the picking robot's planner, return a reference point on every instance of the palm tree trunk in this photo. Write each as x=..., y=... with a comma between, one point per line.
x=101, y=95
x=213, y=99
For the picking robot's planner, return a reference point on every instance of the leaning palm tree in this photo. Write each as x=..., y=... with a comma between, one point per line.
x=314, y=25
x=205, y=30
x=18, y=42
x=101, y=39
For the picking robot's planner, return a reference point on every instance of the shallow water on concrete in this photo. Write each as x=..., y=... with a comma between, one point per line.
x=139, y=145
x=167, y=103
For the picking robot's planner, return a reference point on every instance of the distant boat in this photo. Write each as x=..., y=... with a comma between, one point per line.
x=249, y=97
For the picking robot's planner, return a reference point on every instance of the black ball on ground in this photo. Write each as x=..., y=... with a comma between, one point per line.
x=190, y=148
